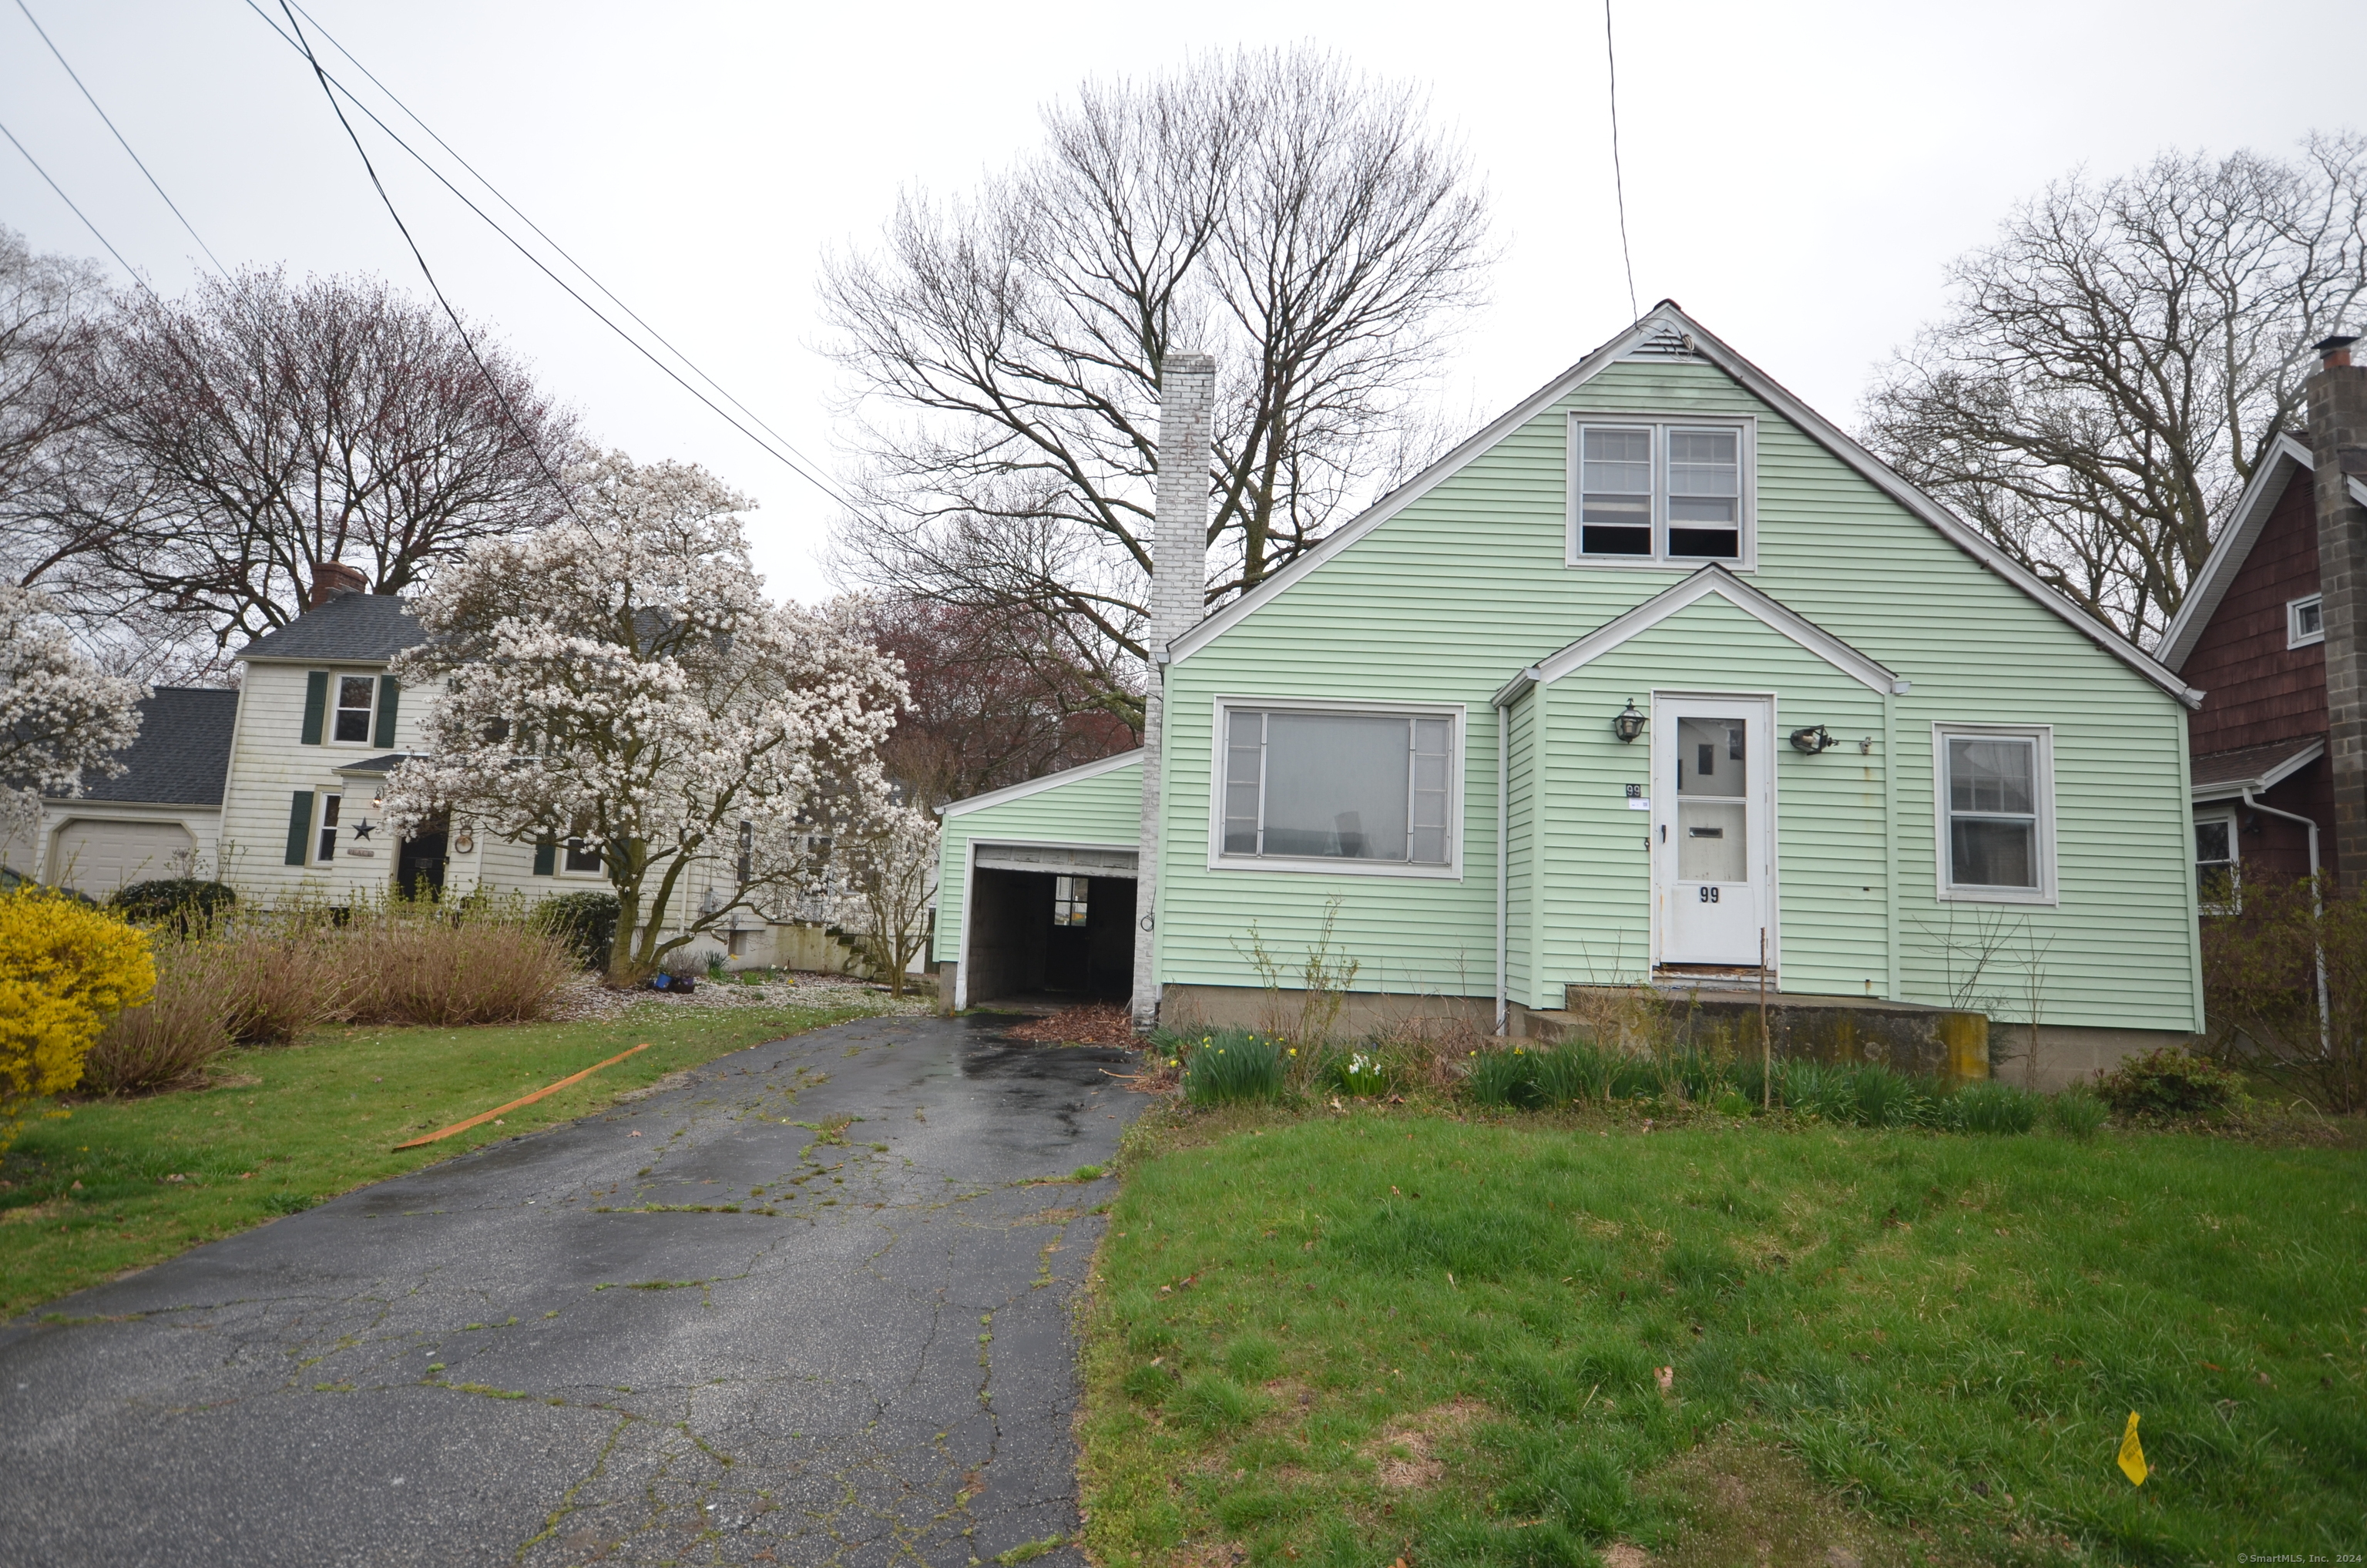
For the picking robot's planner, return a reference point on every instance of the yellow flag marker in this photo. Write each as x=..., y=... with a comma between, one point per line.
x=2133, y=1464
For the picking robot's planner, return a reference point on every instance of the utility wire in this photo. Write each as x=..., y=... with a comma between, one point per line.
x=1618, y=179
x=330, y=82
x=77, y=212
x=721, y=391
x=119, y=140
x=498, y=397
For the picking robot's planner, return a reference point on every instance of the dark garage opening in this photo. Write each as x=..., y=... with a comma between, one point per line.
x=1046, y=933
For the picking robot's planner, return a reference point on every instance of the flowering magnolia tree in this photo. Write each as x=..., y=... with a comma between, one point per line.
x=621, y=678
x=59, y=715
x=891, y=865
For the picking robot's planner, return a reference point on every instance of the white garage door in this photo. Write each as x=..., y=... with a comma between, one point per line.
x=97, y=858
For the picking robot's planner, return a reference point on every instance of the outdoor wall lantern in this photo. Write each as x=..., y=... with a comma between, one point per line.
x=1811, y=740
x=1628, y=723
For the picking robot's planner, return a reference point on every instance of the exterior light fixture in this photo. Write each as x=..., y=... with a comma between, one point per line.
x=1628, y=723
x=1812, y=740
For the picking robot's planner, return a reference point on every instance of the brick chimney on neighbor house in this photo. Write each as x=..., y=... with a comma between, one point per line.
x=1179, y=596
x=2337, y=396
x=333, y=579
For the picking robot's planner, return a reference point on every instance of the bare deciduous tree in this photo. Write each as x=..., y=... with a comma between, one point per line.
x=1279, y=209
x=46, y=330
x=2114, y=367
x=249, y=434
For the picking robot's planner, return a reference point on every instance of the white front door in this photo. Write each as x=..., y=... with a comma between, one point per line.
x=1711, y=820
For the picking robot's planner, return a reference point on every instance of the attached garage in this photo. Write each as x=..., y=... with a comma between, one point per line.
x=1037, y=885
x=96, y=856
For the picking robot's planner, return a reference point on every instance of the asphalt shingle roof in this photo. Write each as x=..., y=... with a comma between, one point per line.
x=363, y=628
x=182, y=754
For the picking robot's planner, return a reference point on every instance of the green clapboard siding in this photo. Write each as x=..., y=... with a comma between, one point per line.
x=1102, y=810
x=1467, y=584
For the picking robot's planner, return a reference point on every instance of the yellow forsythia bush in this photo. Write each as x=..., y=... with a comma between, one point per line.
x=65, y=969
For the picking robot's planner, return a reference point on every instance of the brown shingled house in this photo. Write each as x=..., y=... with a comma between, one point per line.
x=2259, y=632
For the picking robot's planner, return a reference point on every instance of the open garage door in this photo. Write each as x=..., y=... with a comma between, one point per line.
x=1045, y=921
x=97, y=858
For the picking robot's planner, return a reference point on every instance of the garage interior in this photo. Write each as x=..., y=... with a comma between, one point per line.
x=1056, y=924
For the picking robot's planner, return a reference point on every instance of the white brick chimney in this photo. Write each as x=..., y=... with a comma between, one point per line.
x=1179, y=595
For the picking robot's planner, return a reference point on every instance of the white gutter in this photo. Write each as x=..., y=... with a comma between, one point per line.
x=1503, y=853
x=2318, y=911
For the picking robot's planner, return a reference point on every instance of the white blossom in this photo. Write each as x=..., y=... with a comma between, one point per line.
x=59, y=715
x=621, y=677
x=891, y=873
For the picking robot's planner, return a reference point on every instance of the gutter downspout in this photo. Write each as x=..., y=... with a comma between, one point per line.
x=2317, y=912
x=1503, y=850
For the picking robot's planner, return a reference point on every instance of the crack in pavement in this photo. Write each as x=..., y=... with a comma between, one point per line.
x=493, y=1359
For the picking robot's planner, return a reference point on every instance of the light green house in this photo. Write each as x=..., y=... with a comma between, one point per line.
x=1658, y=674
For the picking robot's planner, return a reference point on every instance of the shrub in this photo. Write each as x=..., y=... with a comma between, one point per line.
x=2077, y=1112
x=65, y=969
x=172, y=1038
x=1504, y=1078
x=280, y=981
x=1990, y=1107
x=584, y=923
x=410, y=967
x=1231, y=1065
x=187, y=905
x=2260, y=976
x=2168, y=1084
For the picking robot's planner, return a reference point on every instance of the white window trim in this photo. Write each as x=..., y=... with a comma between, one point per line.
x=1661, y=425
x=2047, y=893
x=321, y=798
x=1453, y=712
x=2226, y=814
x=559, y=866
x=329, y=720
x=2294, y=636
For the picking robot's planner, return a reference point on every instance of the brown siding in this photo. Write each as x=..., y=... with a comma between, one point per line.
x=2260, y=691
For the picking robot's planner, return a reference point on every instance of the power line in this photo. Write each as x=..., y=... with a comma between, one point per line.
x=1618, y=179
x=611, y=294
x=119, y=140
x=793, y=465
x=532, y=445
x=77, y=212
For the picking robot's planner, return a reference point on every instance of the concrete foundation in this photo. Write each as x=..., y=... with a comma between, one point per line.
x=1362, y=1013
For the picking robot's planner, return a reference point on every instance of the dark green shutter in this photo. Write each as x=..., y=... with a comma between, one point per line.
x=387, y=697
x=300, y=818
x=546, y=857
x=316, y=705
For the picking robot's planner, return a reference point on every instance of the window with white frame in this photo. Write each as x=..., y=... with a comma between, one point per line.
x=1997, y=813
x=582, y=855
x=2217, y=867
x=325, y=848
x=1367, y=787
x=2306, y=621
x=1660, y=491
x=357, y=704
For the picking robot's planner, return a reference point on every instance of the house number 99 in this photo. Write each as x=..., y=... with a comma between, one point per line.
x=1708, y=895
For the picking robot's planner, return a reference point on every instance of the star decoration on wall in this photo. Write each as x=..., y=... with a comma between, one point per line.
x=362, y=829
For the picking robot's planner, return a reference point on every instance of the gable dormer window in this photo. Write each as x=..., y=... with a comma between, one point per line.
x=357, y=704
x=1660, y=492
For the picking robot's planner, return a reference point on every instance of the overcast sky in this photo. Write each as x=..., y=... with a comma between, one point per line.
x=1797, y=176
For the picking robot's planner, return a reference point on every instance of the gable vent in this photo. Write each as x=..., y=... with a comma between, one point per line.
x=1665, y=342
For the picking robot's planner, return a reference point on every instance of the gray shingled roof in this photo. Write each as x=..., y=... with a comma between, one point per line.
x=363, y=628
x=182, y=754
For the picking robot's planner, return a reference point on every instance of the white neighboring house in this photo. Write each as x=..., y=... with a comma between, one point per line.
x=160, y=817
x=275, y=789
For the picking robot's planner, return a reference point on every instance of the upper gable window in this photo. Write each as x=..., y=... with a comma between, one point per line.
x=1660, y=492
x=2306, y=621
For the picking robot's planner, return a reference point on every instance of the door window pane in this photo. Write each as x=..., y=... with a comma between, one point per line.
x=355, y=694
x=1712, y=756
x=1713, y=841
x=1614, y=504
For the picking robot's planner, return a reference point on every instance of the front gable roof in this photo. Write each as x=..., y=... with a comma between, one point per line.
x=1667, y=333
x=2286, y=459
x=1710, y=580
x=361, y=629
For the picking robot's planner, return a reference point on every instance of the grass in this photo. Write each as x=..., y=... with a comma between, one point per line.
x=93, y=1190
x=1338, y=1339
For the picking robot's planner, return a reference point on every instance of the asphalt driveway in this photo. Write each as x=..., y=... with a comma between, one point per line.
x=563, y=1348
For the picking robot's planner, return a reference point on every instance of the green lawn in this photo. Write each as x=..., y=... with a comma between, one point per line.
x=1340, y=1339
x=89, y=1193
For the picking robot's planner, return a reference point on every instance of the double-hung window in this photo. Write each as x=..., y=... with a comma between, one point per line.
x=1363, y=788
x=325, y=848
x=2217, y=870
x=1660, y=492
x=357, y=704
x=1997, y=813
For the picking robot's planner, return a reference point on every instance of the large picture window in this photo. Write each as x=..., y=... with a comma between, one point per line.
x=1366, y=788
x=1660, y=492
x=1997, y=813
